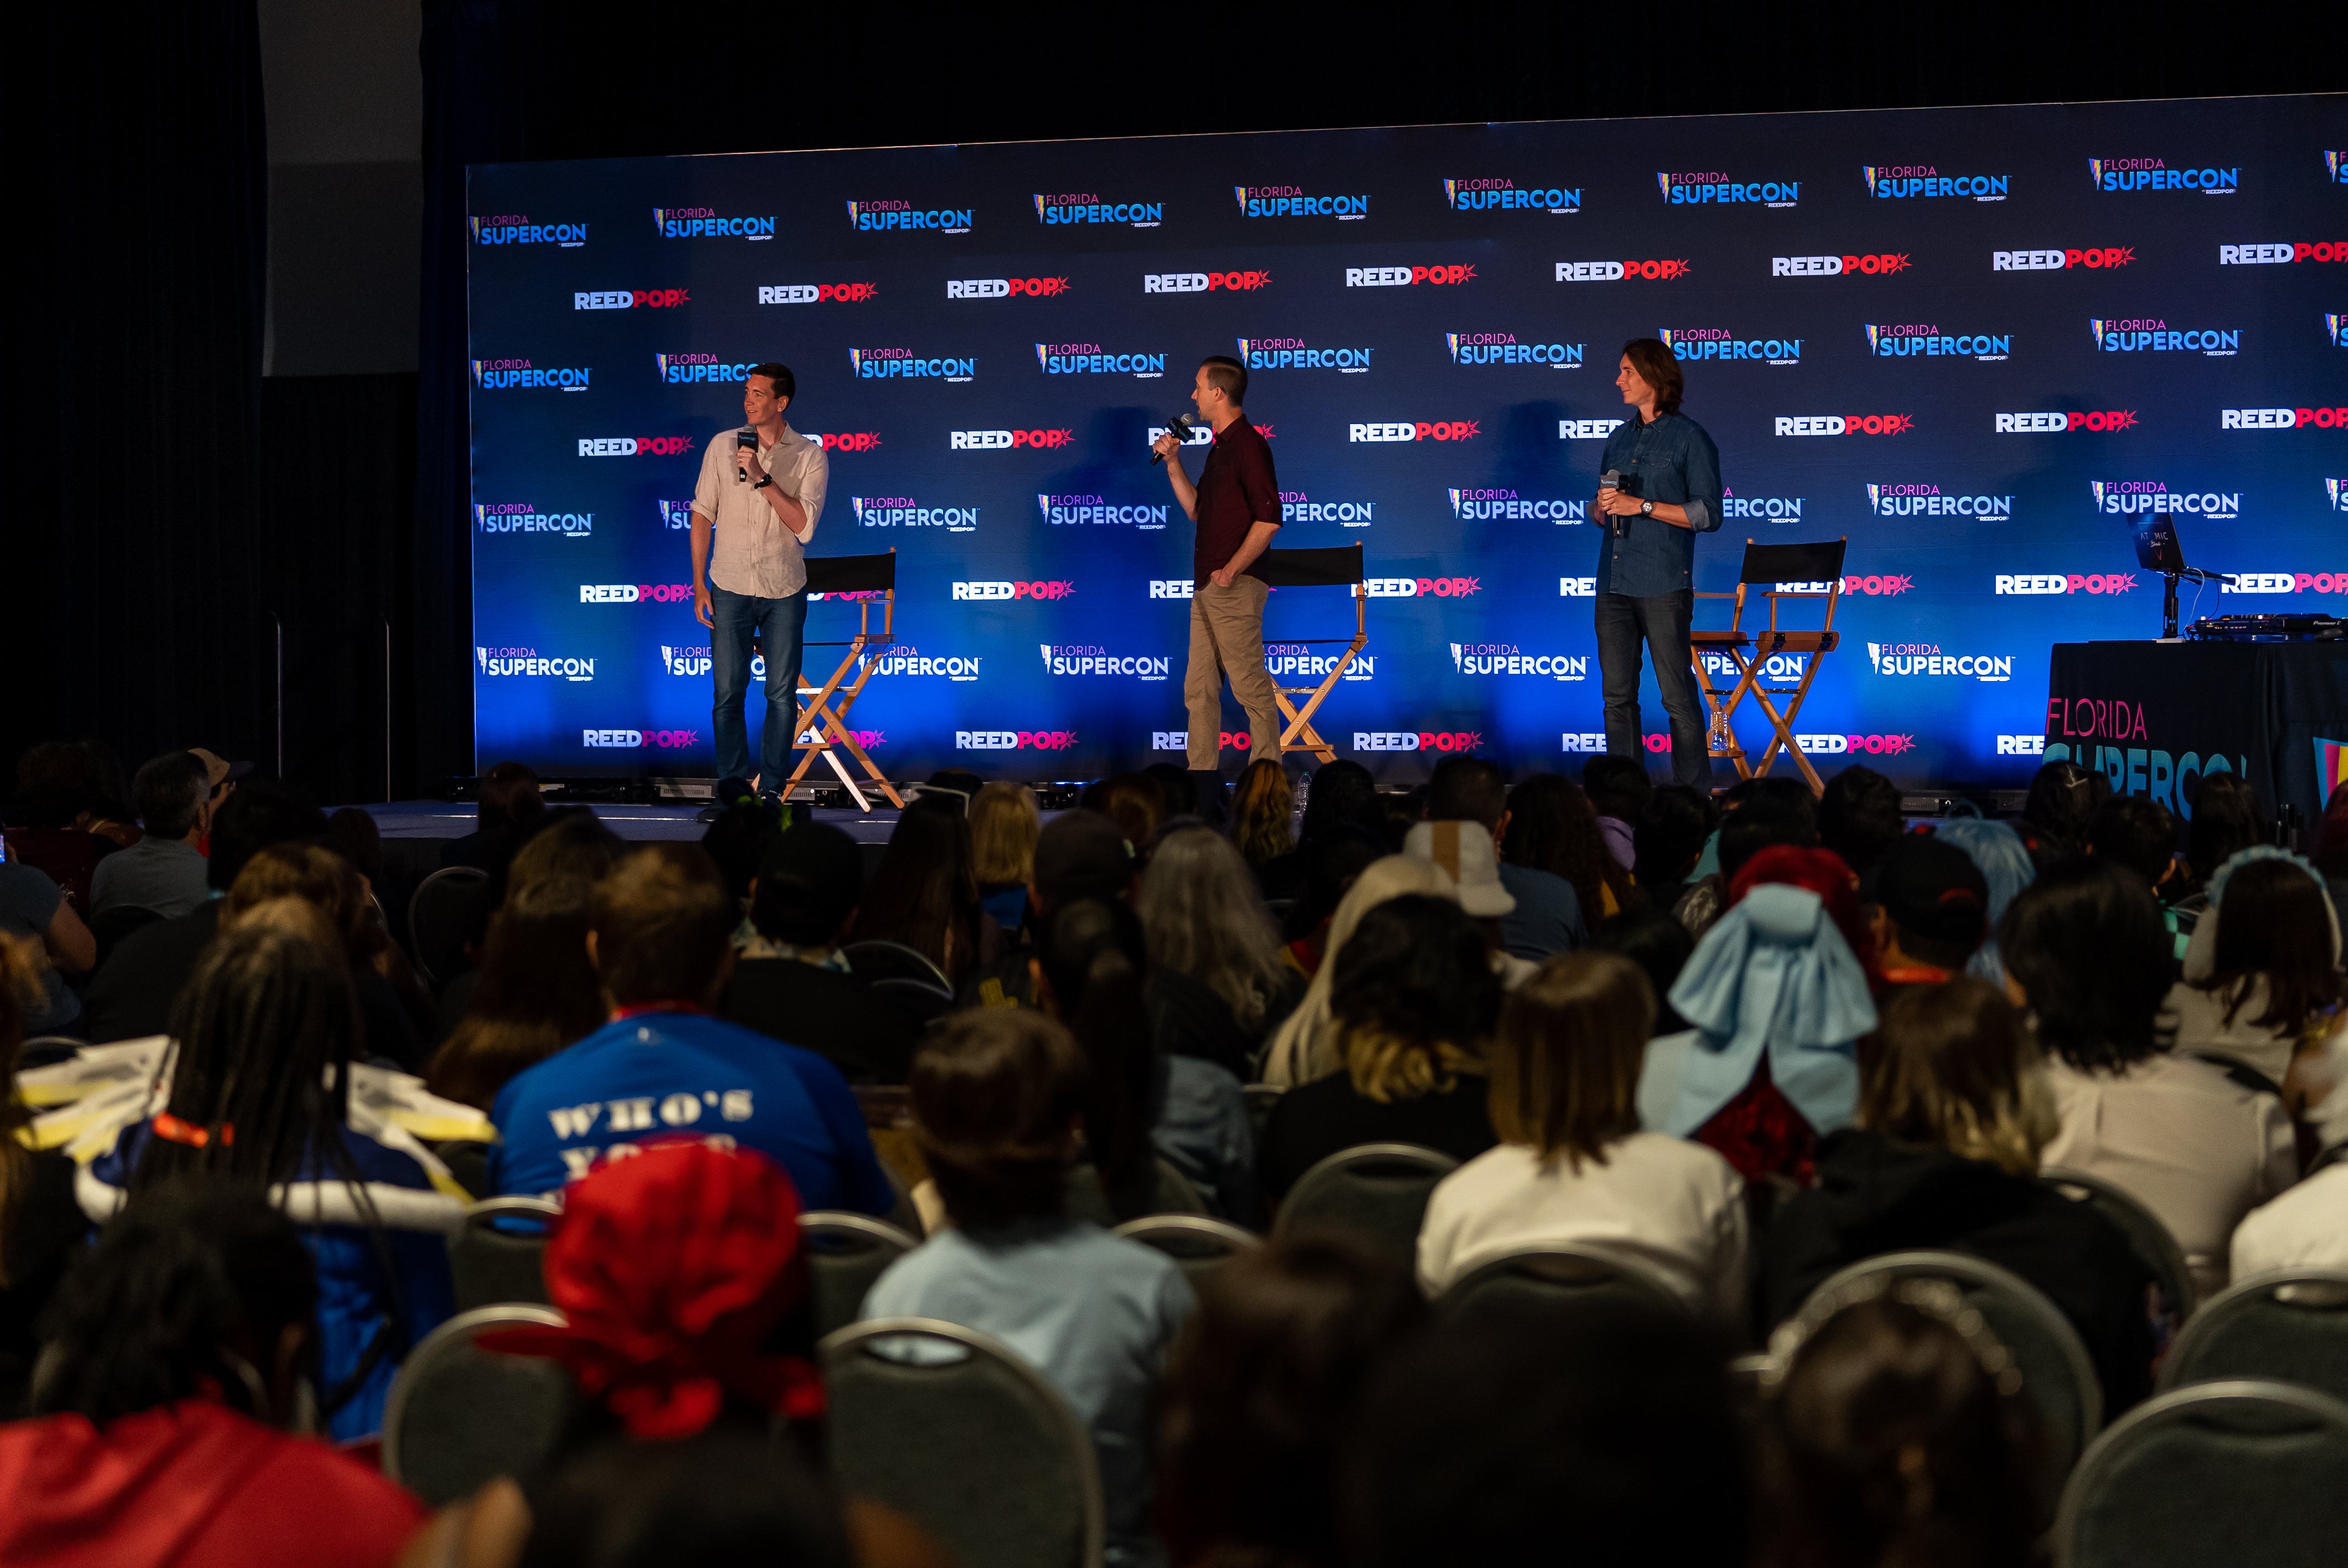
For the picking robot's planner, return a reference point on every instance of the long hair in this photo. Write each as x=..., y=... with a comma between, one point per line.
x=536, y=993
x=1260, y=808
x=1093, y=960
x=1003, y=827
x=926, y=888
x=1952, y=1067
x=1553, y=827
x=2062, y=800
x=2005, y=864
x=2275, y=925
x=2087, y=945
x=1566, y=1058
x=1414, y=998
x=1205, y=920
x=318, y=877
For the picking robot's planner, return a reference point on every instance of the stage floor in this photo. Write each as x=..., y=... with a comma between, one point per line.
x=442, y=820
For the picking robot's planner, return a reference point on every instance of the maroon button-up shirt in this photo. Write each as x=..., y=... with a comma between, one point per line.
x=1236, y=490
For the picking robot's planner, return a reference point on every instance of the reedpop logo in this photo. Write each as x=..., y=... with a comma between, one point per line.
x=2061, y=582
x=998, y=592
x=814, y=293
x=2059, y=261
x=632, y=740
x=1015, y=739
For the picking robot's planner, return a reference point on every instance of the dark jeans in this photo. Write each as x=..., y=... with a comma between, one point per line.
x=1662, y=623
x=780, y=623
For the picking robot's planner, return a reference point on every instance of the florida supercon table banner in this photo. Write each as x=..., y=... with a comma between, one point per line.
x=1975, y=342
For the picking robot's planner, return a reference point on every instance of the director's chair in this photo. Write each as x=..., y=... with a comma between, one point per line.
x=1750, y=652
x=873, y=579
x=1336, y=567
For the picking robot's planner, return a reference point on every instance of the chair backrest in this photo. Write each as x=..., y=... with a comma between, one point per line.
x=1331, y=566
x=852, y=574
x=1260, y=1099
x=47, y=1051
x=1198, y=1244
x=883, y=960
x=2147, y=1236
x=108, y=930
x=2057, y=1374
x=1378, y=1191
x=459, y=1417
x=1176, y=1194
x=1547, y=1278
x=1772, y=564
x=2220, y=1473
x=846, y=1253
x=2289, y=1327
x=961, y=1435
x=469, y=1163
x=496, y=1262
x=922, y=1000
x=440, y=913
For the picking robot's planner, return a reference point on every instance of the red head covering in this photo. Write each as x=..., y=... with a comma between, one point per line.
x=1824, y=873
x=673, y=1267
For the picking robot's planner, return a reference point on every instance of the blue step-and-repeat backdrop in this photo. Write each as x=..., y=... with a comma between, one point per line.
x=1977, y=343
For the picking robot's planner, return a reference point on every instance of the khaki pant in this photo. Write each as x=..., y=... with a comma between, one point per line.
x=1227, y=639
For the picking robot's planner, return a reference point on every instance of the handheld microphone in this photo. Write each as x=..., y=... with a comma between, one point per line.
x=1611, y=480
x=1180, y=428
x=745, y=440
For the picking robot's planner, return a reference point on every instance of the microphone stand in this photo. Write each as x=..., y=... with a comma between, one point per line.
x=2169, y=595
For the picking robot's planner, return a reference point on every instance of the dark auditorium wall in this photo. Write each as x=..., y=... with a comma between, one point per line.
x=150, y=623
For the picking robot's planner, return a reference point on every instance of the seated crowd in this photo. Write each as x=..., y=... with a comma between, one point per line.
x=1733, y=1045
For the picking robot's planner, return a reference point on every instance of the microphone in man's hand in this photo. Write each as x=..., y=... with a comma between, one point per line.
x=745, y=440
x=1180, y=430
x=1611, y=480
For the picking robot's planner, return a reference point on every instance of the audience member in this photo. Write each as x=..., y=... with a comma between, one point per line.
x=792, y=981
x=2061, y=803
x=1342, y=793
x=1465, y=853
x=221, y=775
x=1003, y=825
x=2085, y=947
x=659, y=937
x=1179, y=788
x=2307, y=1226
x=1133, y=802
x=1552, y=828
x=1306, y=1047
x=2005, y=866
x=1765, y=821
x=1860, y=816
x=171, y=1378
x=1264, y=1384
x=1079, y=855
x=998, y=1097
x=1331, y=862
x=1572, y=1166
x=507, y=812
x=1619, y=790
x=535, y=993
x=1928, y=911
x=131, y=995
x=1659, y=946
x=1952, y=1119
x=567, y=843
x=388, y=1011
x=1263, y=808
x=2331, y=852
x=737, y=842
x=2263, y=974
x=1414, y=1000
x=34, y=911
x=1901, y=1435
x=259, y=1098
x=727, y=1497
x=1585, y=1434
x=925, y=894
x=1208, y=926
x=2139, y=833
x=48, y=819
x=2227, y=819
x=41, y=1225
x=1669, y=839
x=961, y=780
x=1555, y=864
x=109, y=814
x=164, y=871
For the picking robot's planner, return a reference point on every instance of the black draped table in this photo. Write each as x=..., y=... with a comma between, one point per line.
x=2158, y=717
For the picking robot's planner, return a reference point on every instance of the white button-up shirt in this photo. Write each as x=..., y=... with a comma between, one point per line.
x=752, y=552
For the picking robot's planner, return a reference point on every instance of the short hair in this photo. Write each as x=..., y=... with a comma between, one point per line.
x=1618, y=787
x=170, y=791
x=737, y=840
x=573, y=844
x=311, y=872
x=1952, y=1067
x=2087, y=945
x=1659, y=368
x=1860, y=816
x=1566, y=1057
x=508, y=798
x=1467, y=789
x=1226, y=375
x=262, y=811
x=725, y=1495
x=996, y=1093
x=786, y=384
x=2134, y=831
x=661, y=923
x=1668, y=838
x=1759, y=826
x=809, y=881
x=1004, y=827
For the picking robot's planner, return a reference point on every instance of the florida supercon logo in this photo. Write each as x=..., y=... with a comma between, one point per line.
x=1507, y=506
x=907, y=661
x=1901, y=181
x=1083, y=207
x=903, y=363
x=1498, y=193
x=881, y=217
x=1011, y=440
x=1203, y=282
x=688, y=369
x=630, y=299
x=634, y=445
x=504, y=661
x=2061, y=582
x=2053, y=261
x=2281, y=254
x=1078, y=511
x=2128, y=497
x=1617, y=272
x=904, y=512
x=1083, y=659
x=684, y=661
x=516, y=228
x=504, y=375
x=522, y=518
x=705, y=223
x=1502, y=348
x=815, y=293
x=1928, y=501
x=1722, y=343
x=1407, y=277
x=1914, y=339
x=2057, y=421
x=1424, y=430
x=1296, y=507
x=675, y=516
x=1015, y=739
x=1734, y=508
x=1295, y=661
x=2149, y=334
x=1844, y=423
x=1086, y=359
x=1881, y=264
x=1291, y=201
x=1006, y=288
x=1925, y=658
x=2127, y=174
x=1714, y=187
x=2335, y=491
x=1003, y=592
x=1508, y=659
x=1295, y=353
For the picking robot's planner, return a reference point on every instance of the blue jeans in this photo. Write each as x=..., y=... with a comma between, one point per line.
x=779, y=624
x=1662, y=623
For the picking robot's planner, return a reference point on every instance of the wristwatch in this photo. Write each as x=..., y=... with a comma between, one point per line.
x=1647, y=508
x=763, y=481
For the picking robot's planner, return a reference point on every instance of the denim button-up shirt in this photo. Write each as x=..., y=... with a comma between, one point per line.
x=1675, y=462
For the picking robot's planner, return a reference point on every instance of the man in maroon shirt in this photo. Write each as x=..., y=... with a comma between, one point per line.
x=1236, y=504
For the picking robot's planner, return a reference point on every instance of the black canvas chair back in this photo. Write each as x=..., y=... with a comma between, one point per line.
x=1556, y=1279
x=852, y=574
x=440, y=914
x=460, y=1417
x=2147, y=1236
x=965, y=1437
x=2057, y=1376
x=1176, y=1194
x=1337, y=566
x=846, y=1253
x=884, y=960
x=2287, y=1328
x=2247, y=1472
x=1378, y=1192
x=1819, y=562
x=1198, y=1245
x=501, y=1255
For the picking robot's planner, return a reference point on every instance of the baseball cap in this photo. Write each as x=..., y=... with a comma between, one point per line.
x=1464, y=851
x=218, y=770
x=1082, y=855
x=1929, y=889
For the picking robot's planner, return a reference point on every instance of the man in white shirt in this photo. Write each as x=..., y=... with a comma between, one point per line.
x=754, y=511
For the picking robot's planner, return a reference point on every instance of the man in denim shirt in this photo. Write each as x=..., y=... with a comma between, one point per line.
x=1670, y=493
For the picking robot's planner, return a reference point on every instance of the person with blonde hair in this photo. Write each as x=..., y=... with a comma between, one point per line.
x=1263, y=806
x=1003, y=827
x=1305, y=1048
x=1206, y=922
x=1572, y=1165
x=1954, y=1113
